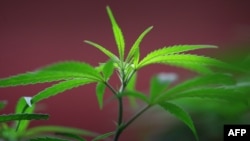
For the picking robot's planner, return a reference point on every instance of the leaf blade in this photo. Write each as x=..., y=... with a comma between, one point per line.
x=117, y=33
x=221, y=93
x=100, y=90
x=37, y=77
x=188, y=61
x=73, y=136
x=103, y=136
x=74, y=67
x=45, y=129
x=173, y=50
x=181, y=115
x=59, y=88
x=134, y=51
x=205, y=81
x=210, y=79
x=103, y=49
x=108, y=69
x=47, y=139
x=12, y=117
x=131, y=87
x=157, y=86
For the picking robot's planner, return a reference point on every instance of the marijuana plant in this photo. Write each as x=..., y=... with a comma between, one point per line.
x=72, y=74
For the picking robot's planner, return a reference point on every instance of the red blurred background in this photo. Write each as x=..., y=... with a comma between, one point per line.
x=41, y=32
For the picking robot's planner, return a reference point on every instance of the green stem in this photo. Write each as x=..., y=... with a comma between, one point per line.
x=120, y=114
x=120, y=125
x=111, y=88
x=121, y=128
x=136, y=116
x=19, y=121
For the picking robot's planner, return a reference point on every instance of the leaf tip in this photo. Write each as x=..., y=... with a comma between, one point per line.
x=209, y=46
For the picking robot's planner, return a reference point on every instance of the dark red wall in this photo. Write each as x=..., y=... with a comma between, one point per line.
x=36, y=33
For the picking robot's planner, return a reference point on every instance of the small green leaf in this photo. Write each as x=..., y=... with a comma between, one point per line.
x=73, y=136
x=108, y=69
x=103, y=136
x=117, y=34
x=134, y=51
x=52, y=129
x=173, y=50
x=12, y=117
x=104, y=50
x=58, y=88
x=181, y=115
x=100, y=90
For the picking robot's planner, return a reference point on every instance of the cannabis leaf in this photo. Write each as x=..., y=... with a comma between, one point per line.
x=117, y=34
x=12, y=117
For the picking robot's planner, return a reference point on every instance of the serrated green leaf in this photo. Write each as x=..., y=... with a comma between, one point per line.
x=188, y=61
x=103, y=136
x=2, y=104
x=73, y=136
x=52, y=129
x=59, y=88
x=214, y=79
x=38, y=77
x=47, y=139
x=100, y=90
x=181, y=115
x=12, y=117
x=201, y=69
x=210, y=80
x=73, y=67
x=104, y=50
x=221, y=93
x=117, y=34
x=108, y=69
x=134, y=51
x=173, y=50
